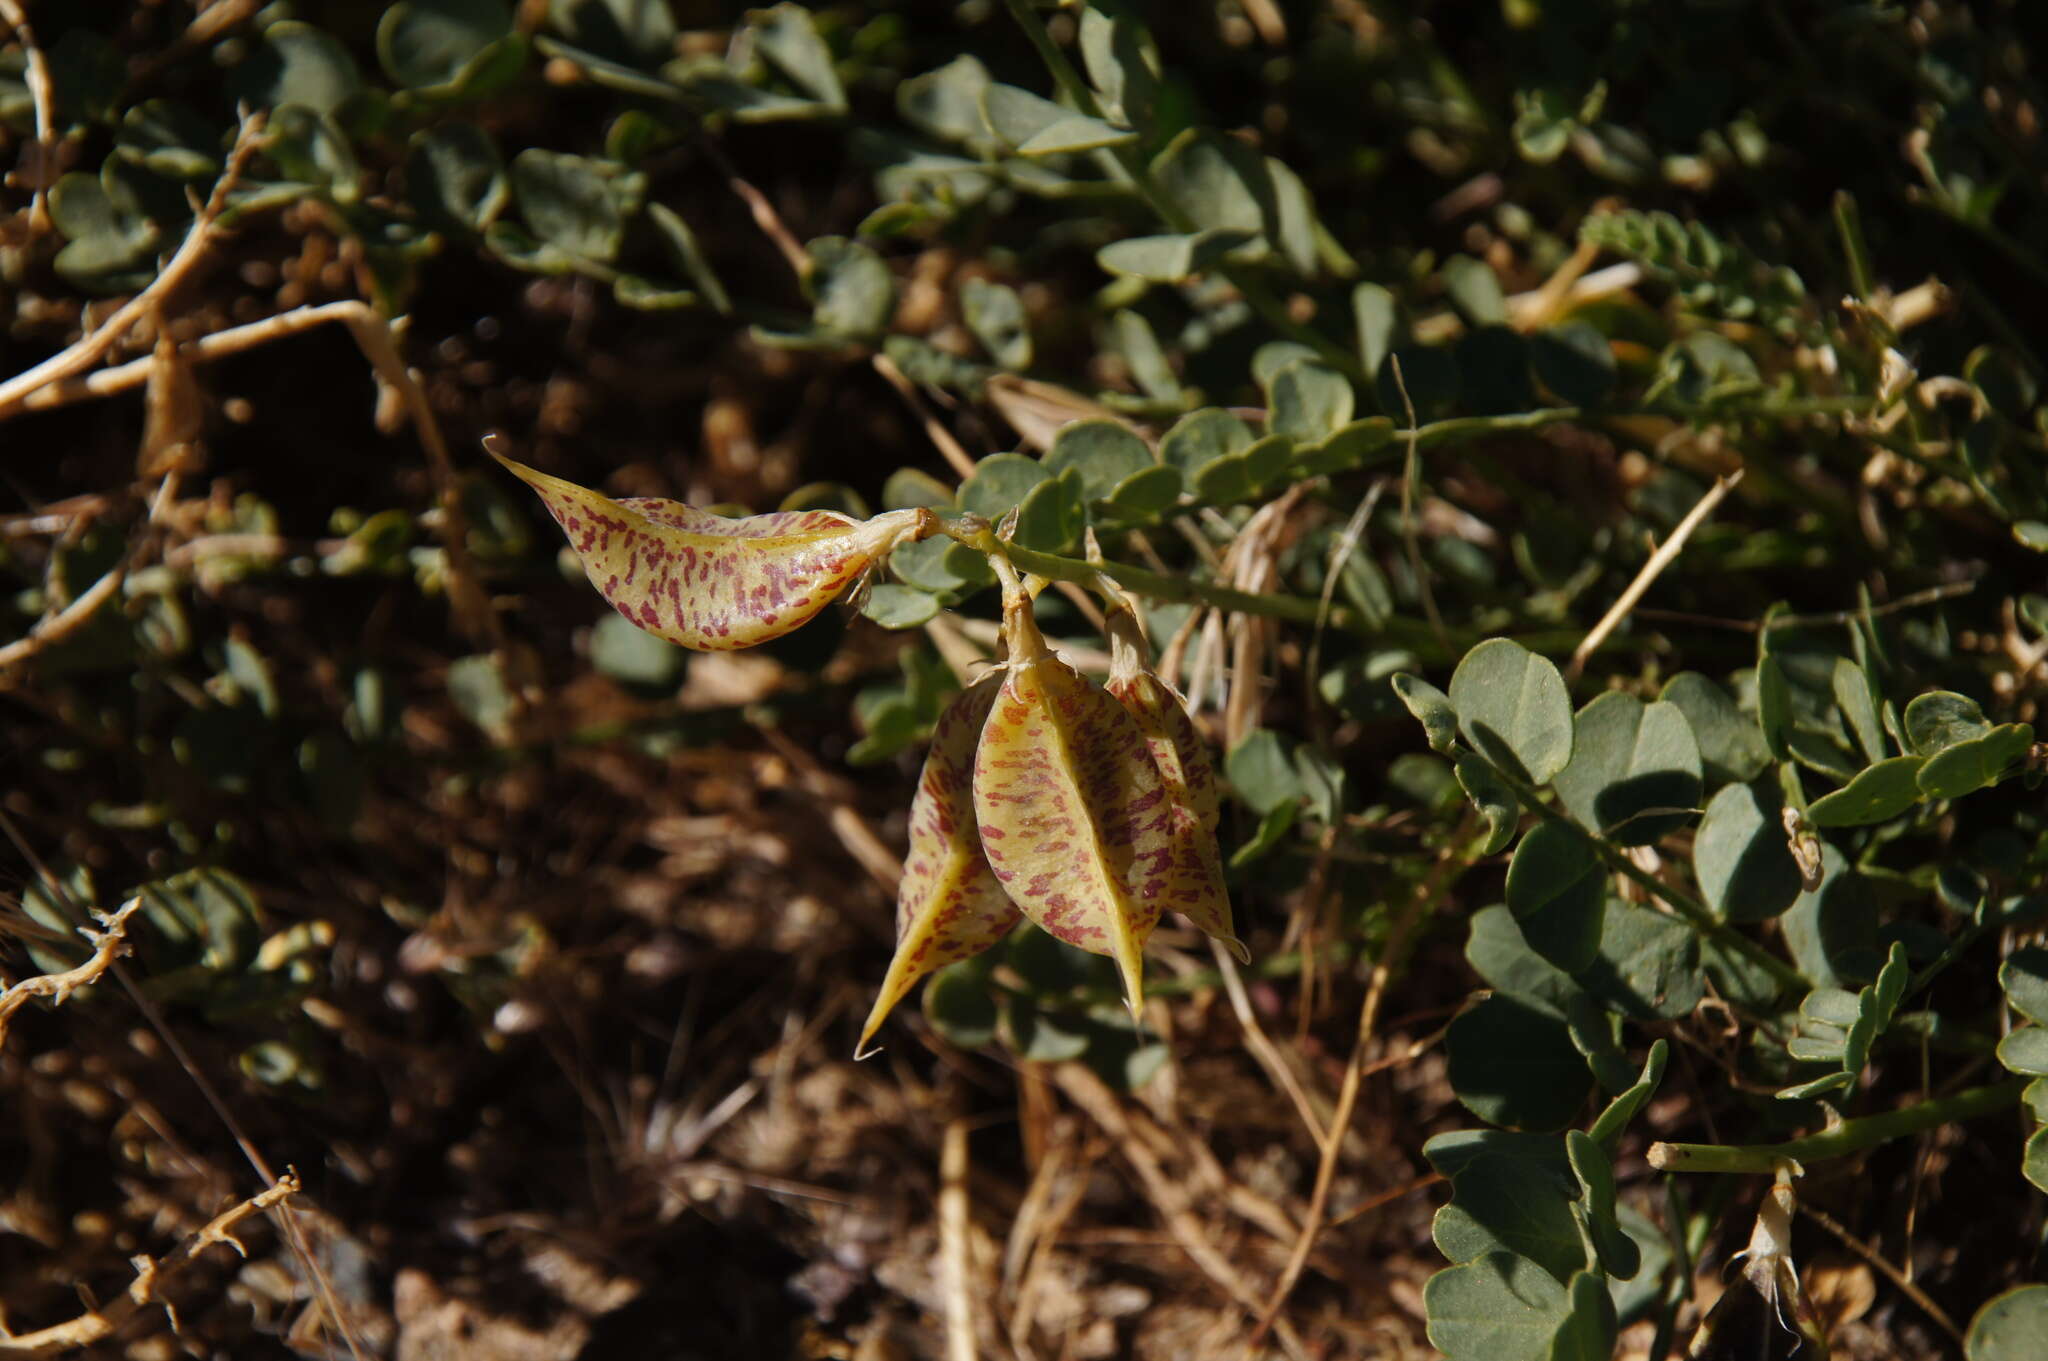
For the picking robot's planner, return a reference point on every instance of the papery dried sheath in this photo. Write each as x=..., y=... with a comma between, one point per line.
x=950, y=905
x=708, y=582
x=1074, y=817
x=1194, y=884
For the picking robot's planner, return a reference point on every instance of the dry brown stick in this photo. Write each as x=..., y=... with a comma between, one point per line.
x=53, y=627
x=89, y=349
x=954, y=1270
x=1263, y=1049
x=294, y=1235
x=98, y=1324
x=121, y=377
x=856, y=836
x=1371, y=1203
x=372, y=334
x=1890, y=1272
x=1666, y=554
x=474, y=615
x=1931, y=596
x=58, y=986
x=765, y=216
x=43, y=91
x=1347, y=1095
x=951, y=449
x=1168, y=1194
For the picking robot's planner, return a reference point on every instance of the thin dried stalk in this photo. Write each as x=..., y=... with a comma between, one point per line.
x=90, y=349
x=373, y=335
x=955, y=1273
x=54, y=627
x=43, y=91
x=1168, y=1195
x=1665, y=555
x=58, y=986
x=150, y=1276
x=954, y=452
x=1347, y=1095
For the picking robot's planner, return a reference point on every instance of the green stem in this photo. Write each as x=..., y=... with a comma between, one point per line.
x=1851, y=1136
x=1695, y=913
x=1126, y=164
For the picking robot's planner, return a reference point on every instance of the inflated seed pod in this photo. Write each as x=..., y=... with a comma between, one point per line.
x=1075, y=819
x=711, y=583
x=949, y=905
x=1194, y=886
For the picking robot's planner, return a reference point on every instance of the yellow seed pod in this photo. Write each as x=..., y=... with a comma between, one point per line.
x=950, y=905
x=1075, y=820
x=711, y=583
x=1194, y=886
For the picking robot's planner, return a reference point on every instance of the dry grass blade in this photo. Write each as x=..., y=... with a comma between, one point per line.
x=1169, y=1196
x=1263, y=1049
x=951, y=449
x=1391, y=957
x=1666, y=554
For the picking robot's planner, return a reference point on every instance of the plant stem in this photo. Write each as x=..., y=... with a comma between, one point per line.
x=1126, y=164
x=1695, y=913
x=1851, y=1136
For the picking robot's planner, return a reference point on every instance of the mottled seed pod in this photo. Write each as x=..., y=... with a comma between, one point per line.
x=950, y=905
x=712, y=583
x=1074, y=818
x=1194, y=886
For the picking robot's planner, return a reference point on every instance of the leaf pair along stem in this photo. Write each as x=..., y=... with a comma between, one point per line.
x=1691, y=910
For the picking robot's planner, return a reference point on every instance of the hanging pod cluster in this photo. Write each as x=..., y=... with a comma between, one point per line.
x=1088, y=809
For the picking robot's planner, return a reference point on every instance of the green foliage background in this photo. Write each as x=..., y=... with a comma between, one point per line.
x=388, y=780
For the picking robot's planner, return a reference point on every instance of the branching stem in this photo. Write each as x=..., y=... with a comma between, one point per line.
x=1695, y=913
x=1851, y=1136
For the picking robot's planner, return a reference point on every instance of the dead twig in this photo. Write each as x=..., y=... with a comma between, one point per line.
x=400, y=384
x=53, y=627
x=90, y=349
x=58, y=987
x=1168, y=1194
x=1347, y=1095
x=1263, y=1049
x=951, y=449
x=42, y=162
x=294, y=1234
x=955, y=1273
x=150, y=1276
x=1666, y=554
x=765, y=216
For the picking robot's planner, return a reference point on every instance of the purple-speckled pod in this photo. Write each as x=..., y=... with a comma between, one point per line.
x=711, y=583
x=1075, y=820
x=1195, y=887
x=949, y=905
